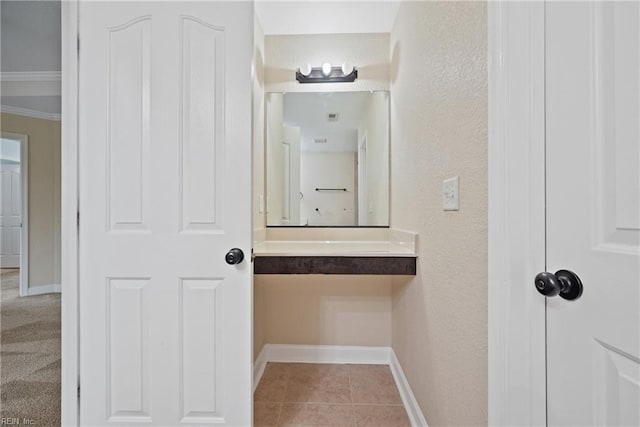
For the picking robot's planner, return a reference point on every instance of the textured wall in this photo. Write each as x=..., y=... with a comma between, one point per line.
x=368, y=52
x=44, y=195
x=439, y=130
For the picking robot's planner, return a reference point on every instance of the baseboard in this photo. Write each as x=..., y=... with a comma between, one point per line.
x=342, y=354
x=327, y=354
x=44, y=289
x=258, y=367
x=406, y=394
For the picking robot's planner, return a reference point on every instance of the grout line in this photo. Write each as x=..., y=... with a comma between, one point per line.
x=284, y=394
x=279, y=414
x=353, y=407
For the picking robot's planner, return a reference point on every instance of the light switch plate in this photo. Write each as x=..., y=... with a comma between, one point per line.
x=260, y=203
x=450, y=194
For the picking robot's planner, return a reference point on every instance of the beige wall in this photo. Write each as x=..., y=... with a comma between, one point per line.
x=44, y=195
x=326, y=310
x=369, y=53
x=439, y=130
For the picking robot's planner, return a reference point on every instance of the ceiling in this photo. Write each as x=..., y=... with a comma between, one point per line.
x=326, y=17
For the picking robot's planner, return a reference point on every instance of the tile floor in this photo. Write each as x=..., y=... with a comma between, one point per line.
x=305, y=394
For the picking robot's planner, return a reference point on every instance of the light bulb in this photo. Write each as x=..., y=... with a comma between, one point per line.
x=326, y=69
x=305, y=70
x=347, y=68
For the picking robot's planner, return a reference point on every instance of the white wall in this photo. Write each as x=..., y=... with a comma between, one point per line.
x=328, y=170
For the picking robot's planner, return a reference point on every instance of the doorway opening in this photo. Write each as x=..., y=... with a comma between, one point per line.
x=14, y=208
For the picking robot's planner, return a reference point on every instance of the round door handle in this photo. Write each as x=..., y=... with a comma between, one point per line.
x=234, y=256
x=565, y=283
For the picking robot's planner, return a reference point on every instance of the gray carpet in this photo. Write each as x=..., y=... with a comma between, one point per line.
x=29, y=354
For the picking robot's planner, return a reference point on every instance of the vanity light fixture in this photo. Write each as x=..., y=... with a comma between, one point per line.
x=346, y=73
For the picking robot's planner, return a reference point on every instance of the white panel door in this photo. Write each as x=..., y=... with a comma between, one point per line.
x=10, y=217
x=593, y=211
x=165, y=192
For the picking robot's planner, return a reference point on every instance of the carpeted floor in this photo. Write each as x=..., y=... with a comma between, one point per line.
x=29, y=354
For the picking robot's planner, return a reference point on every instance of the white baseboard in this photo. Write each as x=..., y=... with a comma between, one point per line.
x=327, y=354
x=44, y=289
x=258, y=366
x=406, y=394
x=342, y=354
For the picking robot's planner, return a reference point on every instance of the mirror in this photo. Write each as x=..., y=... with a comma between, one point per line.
x=327, y=159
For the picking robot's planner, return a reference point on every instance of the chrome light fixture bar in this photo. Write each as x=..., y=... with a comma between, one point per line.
x=327, y=74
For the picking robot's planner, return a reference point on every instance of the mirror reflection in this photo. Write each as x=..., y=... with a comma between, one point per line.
x=327, y=159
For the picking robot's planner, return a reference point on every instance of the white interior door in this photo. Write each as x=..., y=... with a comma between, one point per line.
x=165, y=192
x=593, y=211
x=10, y=216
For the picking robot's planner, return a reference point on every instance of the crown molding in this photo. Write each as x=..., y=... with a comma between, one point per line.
x=30, y=83
x=30, y=76
x=29, y=113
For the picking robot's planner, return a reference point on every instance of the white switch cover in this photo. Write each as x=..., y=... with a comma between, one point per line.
x=261, y=204
x=450, y=200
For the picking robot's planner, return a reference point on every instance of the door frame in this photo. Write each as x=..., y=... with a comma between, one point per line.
x=24, y=214
x=516, y=217
x=70, y=376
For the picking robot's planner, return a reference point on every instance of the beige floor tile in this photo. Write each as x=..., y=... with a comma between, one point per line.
x=294, y=414
x=328, y=389
x=373, y=384
x=381, y=416
x=277, y=371
x=377, y=374
x=270, y=390
x=305, y=394
x=316, y=372
x=318, y=383
x=266, y=414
